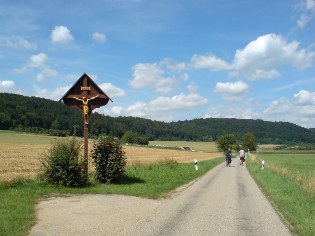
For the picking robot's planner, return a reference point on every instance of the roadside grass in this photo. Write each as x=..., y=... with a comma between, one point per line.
x=284, y=190
x=18, y=198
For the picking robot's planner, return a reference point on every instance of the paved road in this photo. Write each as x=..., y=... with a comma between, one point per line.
x=225, y=201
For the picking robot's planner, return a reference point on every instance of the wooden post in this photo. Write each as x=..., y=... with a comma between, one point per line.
x=86, y=134
x=86, y=148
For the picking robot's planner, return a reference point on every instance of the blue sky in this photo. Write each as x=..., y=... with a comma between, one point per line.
x=167, y=60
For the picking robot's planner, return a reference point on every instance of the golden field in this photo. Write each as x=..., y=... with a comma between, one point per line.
x=20, y=155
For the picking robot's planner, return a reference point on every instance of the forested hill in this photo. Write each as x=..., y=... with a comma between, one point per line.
x=35, y=114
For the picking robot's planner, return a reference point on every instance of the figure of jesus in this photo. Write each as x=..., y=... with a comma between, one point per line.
x=85, y=102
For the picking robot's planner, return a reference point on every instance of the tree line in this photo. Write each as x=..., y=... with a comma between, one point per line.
x=38, y=115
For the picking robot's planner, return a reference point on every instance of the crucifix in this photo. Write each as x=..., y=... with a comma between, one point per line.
x=86, y=110
x=85, y=96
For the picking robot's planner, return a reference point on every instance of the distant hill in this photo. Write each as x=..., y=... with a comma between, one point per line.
x=40, y=115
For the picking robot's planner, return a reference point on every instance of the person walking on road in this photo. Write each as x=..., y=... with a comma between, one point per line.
x=228, y=156
x=242, y=156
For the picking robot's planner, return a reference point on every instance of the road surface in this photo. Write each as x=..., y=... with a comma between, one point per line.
x=225, y=201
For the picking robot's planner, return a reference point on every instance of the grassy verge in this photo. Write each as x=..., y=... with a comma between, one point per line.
x=288, y=196
x=18, y=199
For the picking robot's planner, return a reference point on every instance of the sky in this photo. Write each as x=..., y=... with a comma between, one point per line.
x=167, y=60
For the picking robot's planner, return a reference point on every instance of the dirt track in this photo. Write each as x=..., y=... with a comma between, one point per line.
x=226, y=201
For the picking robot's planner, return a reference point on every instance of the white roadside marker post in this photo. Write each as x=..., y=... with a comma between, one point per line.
x=196, y=164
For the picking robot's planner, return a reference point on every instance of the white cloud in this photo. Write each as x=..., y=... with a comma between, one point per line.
x=304, y=98
x=46, y=73
x=117, y=111
x=300, y=109
x=111, y=90
x=54, y=94
x=231, y=91
x=37, y=61
x=177, y=102
x=161, y=107
x=139, y=109
x=210, y=62
x=150, y=76
x=226, y=111
x=6, y=85
x=173, y=65
x=99, y=37
x=16, y=43
x=61, y=34
x=307, y=13
x=261, y=57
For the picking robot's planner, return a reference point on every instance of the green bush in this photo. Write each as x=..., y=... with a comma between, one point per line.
x=63, y=164
x=109, y=159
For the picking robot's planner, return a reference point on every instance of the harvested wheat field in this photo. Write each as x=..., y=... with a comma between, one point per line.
x=20, y=155
x=20, y=160
x=143, y=155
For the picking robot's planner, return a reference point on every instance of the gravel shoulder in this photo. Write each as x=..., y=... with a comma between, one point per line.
x=91, y=214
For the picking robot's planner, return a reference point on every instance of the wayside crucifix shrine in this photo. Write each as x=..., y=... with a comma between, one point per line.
x=85, y=96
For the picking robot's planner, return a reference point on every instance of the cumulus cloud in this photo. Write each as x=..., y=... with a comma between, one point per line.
x=151, y=76
x=54, y=94
x=307, y=9
x=161, y=107
x=300, y=109
x=17, y=43
x=46, y=73
x=111, y=90
x=6, y=85
x=35, y=61
x=261, y=57
x=177, y=102
x=210, y=62
x=99, y=37
x=231, y=91
x=116, y=111
x=61, y=34
x=38, y=62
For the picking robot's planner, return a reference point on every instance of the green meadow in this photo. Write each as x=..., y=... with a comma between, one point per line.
x=288, y=180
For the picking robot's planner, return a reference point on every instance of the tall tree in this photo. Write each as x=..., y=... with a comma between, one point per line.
x=226, y=141
x=249, y=142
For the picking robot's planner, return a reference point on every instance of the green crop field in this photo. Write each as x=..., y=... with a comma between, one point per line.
x=300, y=167
x=288, y=180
